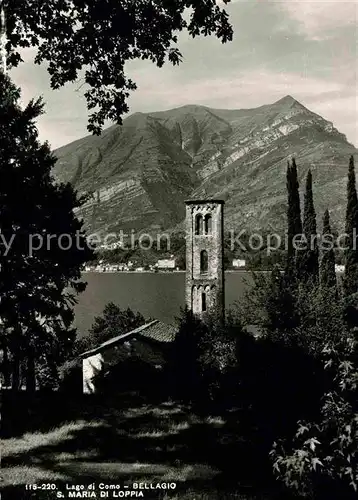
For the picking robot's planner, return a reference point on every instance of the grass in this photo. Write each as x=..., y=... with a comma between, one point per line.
x=142, y=442
x=32, y=441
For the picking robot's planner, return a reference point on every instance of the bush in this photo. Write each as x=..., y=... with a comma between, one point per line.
x=283, y=376
x=202, y=360
x=322, y=459
x=130, y=375
x=71, y=378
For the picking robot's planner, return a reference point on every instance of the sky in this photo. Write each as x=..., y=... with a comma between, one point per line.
x=307, y=49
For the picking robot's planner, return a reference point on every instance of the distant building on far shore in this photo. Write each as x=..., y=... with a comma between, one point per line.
x=239, y=263
x=166, y=264
x=339, y=268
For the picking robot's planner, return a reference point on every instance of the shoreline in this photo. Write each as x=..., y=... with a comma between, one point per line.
x=162, y=272
x=229, y=271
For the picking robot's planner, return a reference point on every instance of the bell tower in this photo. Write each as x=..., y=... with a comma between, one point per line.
x=204, y=284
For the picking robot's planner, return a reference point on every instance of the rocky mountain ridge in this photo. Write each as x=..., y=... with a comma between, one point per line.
x=140, y=173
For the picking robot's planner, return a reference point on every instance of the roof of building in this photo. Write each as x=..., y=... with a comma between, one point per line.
x=160, y=332
x=155, y=330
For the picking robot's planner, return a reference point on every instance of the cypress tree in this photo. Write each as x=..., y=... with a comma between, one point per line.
x=327, y=268
x=294, y=224
x=290, y=219
x=309, y=268
x=350, y=280
x=296, y=199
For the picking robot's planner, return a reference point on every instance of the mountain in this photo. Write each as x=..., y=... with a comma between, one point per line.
x=140, y=173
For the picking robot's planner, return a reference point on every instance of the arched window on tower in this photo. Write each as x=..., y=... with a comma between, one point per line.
x=199, y=224
x=208, y=224
x=203, y=302
x=203, y=261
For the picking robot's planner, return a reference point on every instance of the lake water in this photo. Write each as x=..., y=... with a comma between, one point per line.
x=158, y=295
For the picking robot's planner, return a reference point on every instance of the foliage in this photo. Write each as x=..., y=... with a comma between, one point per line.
x=70, y=374
x=263, y=260
x=217, y=359
x=290, y=307
x=100, y=37
x=279, y=383
x=321, y=312
x=270, y=303
x=282, y=377
x=41, y=271
x=307, y=339
x=322, y=461
x=294, y=316
x=114, y=321
x=202, y=357
x=183, y=358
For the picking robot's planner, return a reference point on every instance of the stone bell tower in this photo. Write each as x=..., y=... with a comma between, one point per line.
x=204, y=284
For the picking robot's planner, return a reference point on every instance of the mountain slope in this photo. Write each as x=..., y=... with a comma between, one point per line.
x=140, y=173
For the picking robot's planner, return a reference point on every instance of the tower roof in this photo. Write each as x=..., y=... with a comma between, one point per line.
x=209, y=200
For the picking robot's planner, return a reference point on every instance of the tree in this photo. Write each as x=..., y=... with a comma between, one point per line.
x=202, y=360
x=327, y=266
x=113, y=322
x=183, y=358
x=294, y=223
x=351, y=252
x=270, y=304
x=304, y=374
x=42, y=245
x=99, y=37
x=309, y=269
x=218, y=358
x=290, y=215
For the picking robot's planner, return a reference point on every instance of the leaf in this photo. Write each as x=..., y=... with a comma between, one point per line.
x=312, y=443
x=348, y=471
x=315, y=462
x=328, y=364
x=301, y=430
x=102, y=36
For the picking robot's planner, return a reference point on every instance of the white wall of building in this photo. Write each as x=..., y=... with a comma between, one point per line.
x=239, y=263
x=90, y=368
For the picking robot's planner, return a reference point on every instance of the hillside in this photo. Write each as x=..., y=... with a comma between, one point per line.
x=140, y=173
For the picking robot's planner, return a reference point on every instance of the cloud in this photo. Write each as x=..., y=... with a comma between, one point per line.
x=306, y=49
x=339, y=108
x=320, y=19
x=334, y=100
x=254, y=87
